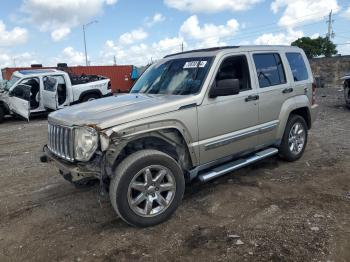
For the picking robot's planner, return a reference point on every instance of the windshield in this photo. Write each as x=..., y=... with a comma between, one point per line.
x=11, y=82
x=182, y=76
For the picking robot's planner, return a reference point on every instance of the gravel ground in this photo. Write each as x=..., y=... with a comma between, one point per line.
x=272, y=211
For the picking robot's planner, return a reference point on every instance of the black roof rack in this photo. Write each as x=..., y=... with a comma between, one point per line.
x=203, y=50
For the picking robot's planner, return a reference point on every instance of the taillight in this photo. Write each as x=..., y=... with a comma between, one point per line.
x=313, y=101
x=109, y=85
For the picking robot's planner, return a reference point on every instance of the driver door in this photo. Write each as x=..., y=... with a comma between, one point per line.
x=19, y=98
x=227, y=124
x=49, y=93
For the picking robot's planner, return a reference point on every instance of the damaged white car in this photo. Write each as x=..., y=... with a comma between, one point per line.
x=34, y=91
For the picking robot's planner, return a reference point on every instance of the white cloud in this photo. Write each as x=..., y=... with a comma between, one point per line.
x=301, y=11
x=60, y=33
x=344, y=49
x=127, y=52
x=315, y=35
x=111, y=2
x=70, y=56
x=279, y=38
x=211, y=6
x=140, y=54
x=346, y=13
x=12, y=37
x=208, y=34
x=9, y=59
x=133, y=36
x=155, y=19
x=54, y=16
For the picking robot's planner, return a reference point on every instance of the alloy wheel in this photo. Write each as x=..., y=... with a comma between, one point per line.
x=296, y=139
x=151, y=191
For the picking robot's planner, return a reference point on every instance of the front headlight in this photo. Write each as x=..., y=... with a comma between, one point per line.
x=85, y=143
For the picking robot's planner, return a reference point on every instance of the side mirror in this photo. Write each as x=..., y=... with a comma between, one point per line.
x=226, y=87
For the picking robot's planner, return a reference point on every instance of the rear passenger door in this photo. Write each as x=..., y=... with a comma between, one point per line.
x=273, y=90
x=301, y=77
x=50, y=92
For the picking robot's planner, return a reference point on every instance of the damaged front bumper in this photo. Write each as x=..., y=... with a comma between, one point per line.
x=74, y=172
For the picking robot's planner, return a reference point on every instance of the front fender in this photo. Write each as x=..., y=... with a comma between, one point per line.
x=131, y=130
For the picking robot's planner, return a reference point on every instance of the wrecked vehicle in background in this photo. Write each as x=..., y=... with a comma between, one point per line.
x=34, y=91
x=2, y=84
x=194, y=115
x=346, y=86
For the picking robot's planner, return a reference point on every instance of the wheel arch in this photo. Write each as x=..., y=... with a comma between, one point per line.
x=304, y=112
x=5, y=107
x=89, y=92
x=299, y=105
x=167, y=140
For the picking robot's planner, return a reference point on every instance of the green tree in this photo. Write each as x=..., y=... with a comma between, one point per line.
x=316, y=47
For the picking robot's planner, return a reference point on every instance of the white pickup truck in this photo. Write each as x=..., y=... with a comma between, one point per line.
x=34, y=91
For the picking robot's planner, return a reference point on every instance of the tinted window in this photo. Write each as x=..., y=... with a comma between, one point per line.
x=235, y=67
x=270, y=69
x=297, y=66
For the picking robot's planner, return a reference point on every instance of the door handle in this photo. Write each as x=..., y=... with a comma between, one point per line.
x=287, y=90
x=252, y=98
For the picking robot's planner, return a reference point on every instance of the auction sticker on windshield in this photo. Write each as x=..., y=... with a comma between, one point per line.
x=194, y=64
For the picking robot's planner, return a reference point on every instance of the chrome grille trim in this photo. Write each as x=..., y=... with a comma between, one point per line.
x=61, y=141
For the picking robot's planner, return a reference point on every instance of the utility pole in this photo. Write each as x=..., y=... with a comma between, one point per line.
x=86, y=59
x=115, y=60
x=330, y=21
x=84, y=28
x=182, y=47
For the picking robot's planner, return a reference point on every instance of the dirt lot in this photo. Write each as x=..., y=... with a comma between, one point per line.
x=273, y=211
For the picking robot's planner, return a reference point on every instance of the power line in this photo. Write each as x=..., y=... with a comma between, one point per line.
x=248, y=33
x=254, y=30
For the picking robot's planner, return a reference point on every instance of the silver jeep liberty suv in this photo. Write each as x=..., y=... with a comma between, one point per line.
x=193, y=115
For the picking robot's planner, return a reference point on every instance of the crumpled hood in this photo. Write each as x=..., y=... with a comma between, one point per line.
x=115, y=110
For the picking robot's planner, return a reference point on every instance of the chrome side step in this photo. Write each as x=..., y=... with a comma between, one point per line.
x=231, y=166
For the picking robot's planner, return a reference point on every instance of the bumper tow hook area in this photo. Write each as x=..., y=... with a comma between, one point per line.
x=44, y=159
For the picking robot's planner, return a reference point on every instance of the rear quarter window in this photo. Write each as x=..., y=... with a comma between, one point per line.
x=297, y=65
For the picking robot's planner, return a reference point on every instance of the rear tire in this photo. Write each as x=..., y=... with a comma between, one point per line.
x=90, y=97
x=2, y=114
x=147, y=188
x=347, y=94
x=294, y=139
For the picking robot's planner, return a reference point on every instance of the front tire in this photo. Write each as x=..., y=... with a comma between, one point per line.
x=147, y=188
x=294, y=139
x=2, y=114
x=90, y=97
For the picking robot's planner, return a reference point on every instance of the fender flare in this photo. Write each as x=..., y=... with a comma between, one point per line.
x=91, y=91
x=288, y=106
x=120, y=134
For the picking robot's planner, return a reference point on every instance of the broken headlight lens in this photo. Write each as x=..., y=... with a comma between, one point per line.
x=85, y=143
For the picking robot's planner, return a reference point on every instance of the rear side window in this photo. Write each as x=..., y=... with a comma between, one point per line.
x=270, y=69
x=50, y=84
x=297, y=66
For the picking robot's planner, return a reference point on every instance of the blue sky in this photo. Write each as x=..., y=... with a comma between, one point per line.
x=136, y=31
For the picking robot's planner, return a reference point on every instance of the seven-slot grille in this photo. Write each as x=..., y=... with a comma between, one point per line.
x=61, y=141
